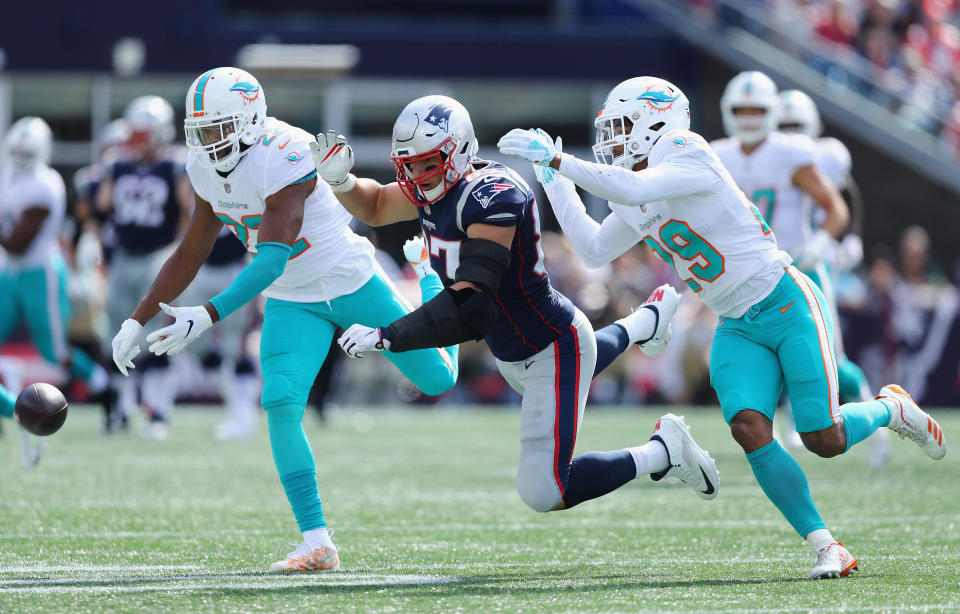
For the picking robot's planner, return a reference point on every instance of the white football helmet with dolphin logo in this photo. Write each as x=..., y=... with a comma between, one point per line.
x=226, y=110
x=28, y=143
x=635, y=114
x=750, y=89
x=798, y=113
x=432, y=127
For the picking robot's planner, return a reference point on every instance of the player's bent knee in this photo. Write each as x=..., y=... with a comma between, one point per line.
x=751, y=429
x=279, y=390
x=826, y=443
x=436, y=382
x=538, y=489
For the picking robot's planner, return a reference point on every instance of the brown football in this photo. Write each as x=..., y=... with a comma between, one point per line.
x=41, y=409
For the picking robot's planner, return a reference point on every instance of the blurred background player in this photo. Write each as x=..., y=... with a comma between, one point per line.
x=778, y=173
x=255, y=174
x=797, y=113
x=145, y=199
x=668, y=189
x=33, y=281
x=482, y=231
x=222, y=351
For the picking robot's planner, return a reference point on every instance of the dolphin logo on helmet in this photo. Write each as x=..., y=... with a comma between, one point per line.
x=247, y=90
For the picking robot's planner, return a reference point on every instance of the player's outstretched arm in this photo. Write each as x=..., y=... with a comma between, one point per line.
x=465, y=311
x=25, y=231
x=826, y=195
x=626, y=187
x=175, y=275
x=369, y=201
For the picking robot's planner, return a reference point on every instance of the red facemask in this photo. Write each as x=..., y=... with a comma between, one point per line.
x=414, y=187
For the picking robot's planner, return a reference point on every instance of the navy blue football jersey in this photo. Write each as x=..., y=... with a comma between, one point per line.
x=146, y=214
x=532, y=313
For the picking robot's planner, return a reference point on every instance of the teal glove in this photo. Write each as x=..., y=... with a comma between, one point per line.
x=545, y=174
x=534, y=146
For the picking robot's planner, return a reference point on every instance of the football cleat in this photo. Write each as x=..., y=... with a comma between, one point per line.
x=833, y=561
x=309, y=557
x=663, y=303
x=689, y=463
x=415, y=251
x=914, y=423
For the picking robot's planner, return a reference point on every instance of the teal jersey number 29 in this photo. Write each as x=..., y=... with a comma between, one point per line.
x=702, y=260
x=765, y=199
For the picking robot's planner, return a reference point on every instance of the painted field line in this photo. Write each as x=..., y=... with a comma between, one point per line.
x=482, y=526
x=924, y=607
x=190, y=583
x=94, y=568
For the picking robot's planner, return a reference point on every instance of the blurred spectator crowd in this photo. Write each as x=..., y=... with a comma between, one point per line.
x=902, y=54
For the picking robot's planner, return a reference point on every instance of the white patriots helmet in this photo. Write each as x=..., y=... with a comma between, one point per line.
x=798, y=113
x=150, y=122
x=28, y=143
x=432, y=127
x=226, y=109
x=635, y=114
x=750, y=89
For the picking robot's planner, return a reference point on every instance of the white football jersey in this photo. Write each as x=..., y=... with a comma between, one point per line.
x=766, y=177
x=38, y=187
x=329, y=259
x=713, y=237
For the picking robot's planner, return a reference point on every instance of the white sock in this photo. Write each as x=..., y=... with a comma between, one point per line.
x=318, y=537
x=820, y=539
x=640, y=325
x=650, y=457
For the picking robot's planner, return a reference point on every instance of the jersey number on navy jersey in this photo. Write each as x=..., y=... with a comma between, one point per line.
x=139, y=200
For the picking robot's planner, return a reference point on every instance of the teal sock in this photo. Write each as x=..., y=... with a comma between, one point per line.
x=295, y=465
x=430, y=286
x=7, y=402
x=783, y=482
x=851, y=381
x=860, y=420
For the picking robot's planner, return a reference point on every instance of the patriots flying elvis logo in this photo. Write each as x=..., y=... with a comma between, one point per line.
x=247, y=90
x=486, y=191
x=439, y=116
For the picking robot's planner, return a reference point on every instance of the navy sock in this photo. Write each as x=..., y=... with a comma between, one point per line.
x=594, y=474
x=611, y=342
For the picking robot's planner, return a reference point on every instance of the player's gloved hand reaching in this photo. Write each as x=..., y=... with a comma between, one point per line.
x=359, y=339
x=545, y=174
x=534, y=146
x=124, y=344
x=818, y=248
x=189, y=323
x=333, y=158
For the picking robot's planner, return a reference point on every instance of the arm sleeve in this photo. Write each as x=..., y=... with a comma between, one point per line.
x=677, y=176
x=597, y=244
x=269, y=264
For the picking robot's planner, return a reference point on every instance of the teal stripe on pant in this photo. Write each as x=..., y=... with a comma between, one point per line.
x=783, y=482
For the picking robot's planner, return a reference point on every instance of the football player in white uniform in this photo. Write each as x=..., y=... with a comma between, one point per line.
x=797, y=113
x=667, y=188
x=255, y=174
x=33, y=276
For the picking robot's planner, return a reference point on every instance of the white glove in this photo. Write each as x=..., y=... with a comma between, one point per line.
x=359, y=339
x=849, y=252
x=333, y=158
x=545, y=174
x=124, y=350
x=189, y=323
x=531, y=145
x=416, y=254
x=818, y=248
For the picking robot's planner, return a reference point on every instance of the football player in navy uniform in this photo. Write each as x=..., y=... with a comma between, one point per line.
x=147, y=200
x=482, y=232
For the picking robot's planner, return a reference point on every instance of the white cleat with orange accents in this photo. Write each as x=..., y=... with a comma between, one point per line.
x=833, y=561
x=309, y=557
x=909, y=421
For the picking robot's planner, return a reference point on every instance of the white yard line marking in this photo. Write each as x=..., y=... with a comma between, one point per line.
x=194, y=583
x=95, y=568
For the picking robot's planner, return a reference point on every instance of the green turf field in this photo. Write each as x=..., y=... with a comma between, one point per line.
x=427, y=520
